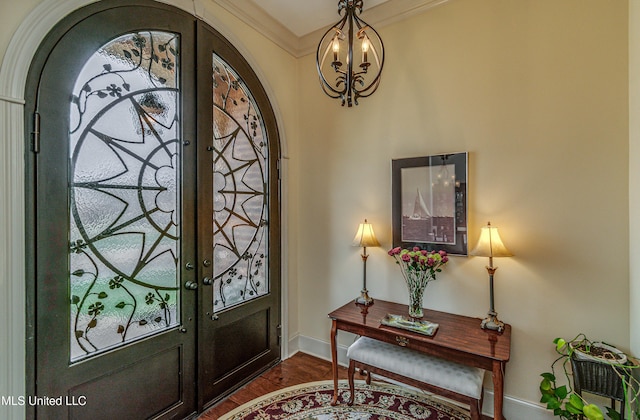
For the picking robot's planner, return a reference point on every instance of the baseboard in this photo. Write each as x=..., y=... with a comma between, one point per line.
x=514, y=408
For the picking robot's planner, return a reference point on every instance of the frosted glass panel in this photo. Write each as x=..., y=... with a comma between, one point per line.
x=240, y=191
x=124, y=188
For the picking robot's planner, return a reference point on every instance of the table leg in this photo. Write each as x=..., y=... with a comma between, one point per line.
x=498, y=389
x=334, y=361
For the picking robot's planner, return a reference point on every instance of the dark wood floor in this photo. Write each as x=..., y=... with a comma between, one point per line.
x=298, y=369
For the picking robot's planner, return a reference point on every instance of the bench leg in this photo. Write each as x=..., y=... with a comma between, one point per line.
x=475, y=411
x=366, y=373
x=352, y=387
x=476, y=408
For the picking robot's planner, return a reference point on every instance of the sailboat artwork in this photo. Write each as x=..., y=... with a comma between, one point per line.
x=429, y=202
x=420, y=210
x=429, y=218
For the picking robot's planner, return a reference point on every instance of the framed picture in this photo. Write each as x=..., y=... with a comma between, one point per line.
x=429, y=202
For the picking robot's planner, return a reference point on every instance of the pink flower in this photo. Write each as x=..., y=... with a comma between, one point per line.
x=417, y=263
x=395, y=251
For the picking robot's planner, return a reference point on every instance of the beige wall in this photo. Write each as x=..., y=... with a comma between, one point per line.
x=537, y=93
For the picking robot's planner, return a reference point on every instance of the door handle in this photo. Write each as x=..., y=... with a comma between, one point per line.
x=207, y=281
x=191, y=285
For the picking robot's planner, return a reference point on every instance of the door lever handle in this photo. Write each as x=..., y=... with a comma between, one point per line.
x=191, y=285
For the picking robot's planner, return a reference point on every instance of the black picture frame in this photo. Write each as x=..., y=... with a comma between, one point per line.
x=429, y=202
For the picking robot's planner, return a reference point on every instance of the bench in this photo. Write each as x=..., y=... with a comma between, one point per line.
x=438, y=376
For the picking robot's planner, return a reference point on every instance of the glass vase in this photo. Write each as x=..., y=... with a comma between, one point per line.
x=416, y=286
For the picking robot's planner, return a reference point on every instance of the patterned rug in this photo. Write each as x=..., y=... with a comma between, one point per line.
x=312, y=401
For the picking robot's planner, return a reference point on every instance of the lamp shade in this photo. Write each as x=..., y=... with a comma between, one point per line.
x=490, y=244
x=365, y=236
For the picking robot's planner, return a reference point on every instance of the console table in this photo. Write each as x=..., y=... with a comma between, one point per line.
x=459, y=338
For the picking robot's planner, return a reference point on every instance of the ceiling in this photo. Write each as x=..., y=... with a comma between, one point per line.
x=298, y=25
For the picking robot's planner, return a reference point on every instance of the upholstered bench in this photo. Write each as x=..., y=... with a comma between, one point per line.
x=448, y=379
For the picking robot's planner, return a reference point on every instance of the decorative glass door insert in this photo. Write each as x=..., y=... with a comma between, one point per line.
x=124, y=180
x=240, y=166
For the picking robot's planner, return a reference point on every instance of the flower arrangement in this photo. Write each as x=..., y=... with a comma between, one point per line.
x=418, y=267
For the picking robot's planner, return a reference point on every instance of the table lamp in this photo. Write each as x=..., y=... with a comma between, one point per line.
x=365, y=238
x=490, y=245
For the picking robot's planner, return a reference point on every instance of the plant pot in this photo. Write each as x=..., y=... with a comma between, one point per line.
x=611, y=355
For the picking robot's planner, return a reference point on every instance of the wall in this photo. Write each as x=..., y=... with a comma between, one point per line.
x=537, y=92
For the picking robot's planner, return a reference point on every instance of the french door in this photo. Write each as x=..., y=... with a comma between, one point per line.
x=154, y=284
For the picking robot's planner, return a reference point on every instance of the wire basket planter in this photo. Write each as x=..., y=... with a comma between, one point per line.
x=603, y=379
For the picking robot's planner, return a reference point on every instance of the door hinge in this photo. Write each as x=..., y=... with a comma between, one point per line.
x=279, y=328
x=35, y=134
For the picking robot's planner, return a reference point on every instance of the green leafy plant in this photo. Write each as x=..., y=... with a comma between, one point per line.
x=569, y=405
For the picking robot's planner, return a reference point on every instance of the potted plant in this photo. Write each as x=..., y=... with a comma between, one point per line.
x=583, y=349
x=596, y=367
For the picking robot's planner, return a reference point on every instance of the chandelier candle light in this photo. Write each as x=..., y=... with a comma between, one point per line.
x=351, y=39
x=490, y=245
x=418, y=267
x=365, y=238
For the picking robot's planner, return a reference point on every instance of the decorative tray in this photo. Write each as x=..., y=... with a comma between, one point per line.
x=415, y=325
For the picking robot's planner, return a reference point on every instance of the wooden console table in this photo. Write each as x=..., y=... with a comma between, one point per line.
x=459, y=338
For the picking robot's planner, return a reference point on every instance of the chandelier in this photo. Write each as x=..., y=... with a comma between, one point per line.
x=351, y=39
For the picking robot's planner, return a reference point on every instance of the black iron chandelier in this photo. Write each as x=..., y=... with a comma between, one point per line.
x=353, y=40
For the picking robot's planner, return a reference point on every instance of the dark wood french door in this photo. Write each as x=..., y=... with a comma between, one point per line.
x=240, y=331
x=154, y=283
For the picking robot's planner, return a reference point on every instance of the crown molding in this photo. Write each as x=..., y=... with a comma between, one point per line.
x=379, y=16
x=253, y=15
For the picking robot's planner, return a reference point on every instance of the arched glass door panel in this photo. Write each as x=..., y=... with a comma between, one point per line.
x=124, y=193
x=240, y=156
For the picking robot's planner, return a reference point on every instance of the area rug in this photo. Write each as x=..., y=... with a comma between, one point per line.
x=378, y=401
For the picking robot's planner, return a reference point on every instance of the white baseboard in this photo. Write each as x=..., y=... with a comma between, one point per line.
x=514, y=408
